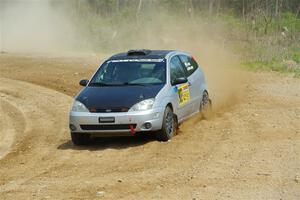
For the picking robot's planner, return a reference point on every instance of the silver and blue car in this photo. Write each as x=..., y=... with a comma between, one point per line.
x=139, y=91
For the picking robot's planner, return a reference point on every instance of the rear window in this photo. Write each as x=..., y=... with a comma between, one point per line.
x=189, y=63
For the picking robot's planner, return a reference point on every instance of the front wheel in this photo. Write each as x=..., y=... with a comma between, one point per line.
x=80, y=138
x=168, y=127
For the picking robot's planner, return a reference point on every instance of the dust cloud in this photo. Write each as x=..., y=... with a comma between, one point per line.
x=34, y=27
x=39, y=27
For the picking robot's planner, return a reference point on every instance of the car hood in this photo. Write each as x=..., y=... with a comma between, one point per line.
x=116, y=98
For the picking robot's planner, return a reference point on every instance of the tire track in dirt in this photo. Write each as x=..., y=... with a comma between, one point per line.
x=37, y=118
x=12, y=122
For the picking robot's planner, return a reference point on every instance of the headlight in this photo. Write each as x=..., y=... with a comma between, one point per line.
x=79, y=107
x=143, y=105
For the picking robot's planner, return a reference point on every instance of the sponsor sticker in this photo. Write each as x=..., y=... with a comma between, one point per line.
x=183, y=93
x=136, y=60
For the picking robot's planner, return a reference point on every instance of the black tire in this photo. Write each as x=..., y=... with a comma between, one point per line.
x=206, y=106
x=169, y=126
x=80, y=138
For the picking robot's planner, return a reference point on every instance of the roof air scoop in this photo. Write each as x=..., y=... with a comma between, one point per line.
x=138, y=52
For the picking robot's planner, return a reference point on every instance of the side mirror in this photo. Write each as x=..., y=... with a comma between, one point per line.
x=84, y=82
x=180, y=80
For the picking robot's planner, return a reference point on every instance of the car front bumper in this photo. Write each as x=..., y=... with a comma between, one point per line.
x=124, y=122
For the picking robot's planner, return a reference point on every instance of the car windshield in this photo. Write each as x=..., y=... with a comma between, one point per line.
x=130, y=72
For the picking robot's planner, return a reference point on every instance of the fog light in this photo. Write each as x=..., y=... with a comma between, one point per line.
x=147, y=125
x=72, y=127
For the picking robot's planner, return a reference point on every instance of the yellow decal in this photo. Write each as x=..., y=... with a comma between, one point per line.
x=184, y=93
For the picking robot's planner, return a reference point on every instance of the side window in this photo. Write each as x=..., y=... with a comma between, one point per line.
x=176, y=69
x=189, y=63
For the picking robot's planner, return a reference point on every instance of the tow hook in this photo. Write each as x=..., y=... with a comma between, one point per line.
x=132, y=131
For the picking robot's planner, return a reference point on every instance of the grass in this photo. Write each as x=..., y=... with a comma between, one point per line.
x=271, y=51
x=277, y=58
x=271, y=66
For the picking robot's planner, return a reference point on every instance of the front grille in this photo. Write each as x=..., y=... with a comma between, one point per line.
x=107, y=127
x=108, y=110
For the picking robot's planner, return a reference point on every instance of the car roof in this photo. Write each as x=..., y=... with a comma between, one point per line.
x=141, y=54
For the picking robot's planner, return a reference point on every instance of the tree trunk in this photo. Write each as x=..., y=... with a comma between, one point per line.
x=139, y=10
x=139, y=7
x=117, y=5
x=190, y=9
x=244, y=10
x=218, y=7
x=276, y=8
x=210, y=7
x=2, y=9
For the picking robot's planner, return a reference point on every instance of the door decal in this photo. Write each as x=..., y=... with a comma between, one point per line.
x=184, y=93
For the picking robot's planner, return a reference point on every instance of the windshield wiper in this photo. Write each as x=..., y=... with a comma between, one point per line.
x=101, y=84
x=138, y=84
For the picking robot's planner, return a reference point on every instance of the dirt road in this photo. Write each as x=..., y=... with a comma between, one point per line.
x=251, y=150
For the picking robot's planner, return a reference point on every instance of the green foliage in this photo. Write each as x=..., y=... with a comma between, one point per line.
x=267, y=32
x=291, y=21
x=296, y=57
x=277, y=49
x=274, y=65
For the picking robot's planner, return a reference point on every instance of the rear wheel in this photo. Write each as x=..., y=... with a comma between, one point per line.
x=206, y=106
x=80, y=138
x=169, y=126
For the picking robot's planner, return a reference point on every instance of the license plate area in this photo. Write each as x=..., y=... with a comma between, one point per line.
x=104, y=120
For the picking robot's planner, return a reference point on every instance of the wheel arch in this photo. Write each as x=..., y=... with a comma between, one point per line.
x=170, y=105
x=203, y=88
x=174, y=113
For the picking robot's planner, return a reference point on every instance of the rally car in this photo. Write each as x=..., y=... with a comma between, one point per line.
x=139, y=91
